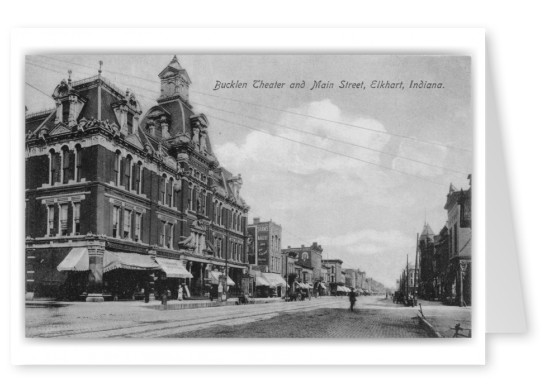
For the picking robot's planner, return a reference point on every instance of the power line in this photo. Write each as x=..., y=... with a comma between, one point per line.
x=328, y=150
x=434, y=143
x=37, y=89
x=303, y=143
x=290, y=128
x=308, y=145
x=334, y=139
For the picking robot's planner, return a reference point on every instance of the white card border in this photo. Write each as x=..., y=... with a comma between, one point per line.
x=245, y=352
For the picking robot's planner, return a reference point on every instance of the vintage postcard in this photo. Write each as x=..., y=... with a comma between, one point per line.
x=248, y=196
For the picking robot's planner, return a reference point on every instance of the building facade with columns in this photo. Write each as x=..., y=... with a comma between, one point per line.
x=123, y=202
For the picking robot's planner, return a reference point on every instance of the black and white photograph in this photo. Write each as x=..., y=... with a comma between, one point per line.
x=248, y=196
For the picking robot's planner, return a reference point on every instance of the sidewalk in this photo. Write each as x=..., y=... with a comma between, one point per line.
x=156, y=304
x=443, y=319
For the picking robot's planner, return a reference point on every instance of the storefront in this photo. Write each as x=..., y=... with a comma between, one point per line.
x=76, y=268
x=215, y=281
x=263, y=286
x=126, y=276
x=276, y=282
x=173, y=275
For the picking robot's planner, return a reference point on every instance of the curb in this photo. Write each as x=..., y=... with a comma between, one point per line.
x=429, y=326
x=185, y=306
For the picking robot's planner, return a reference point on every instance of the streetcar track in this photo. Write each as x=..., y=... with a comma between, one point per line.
x=182, y=323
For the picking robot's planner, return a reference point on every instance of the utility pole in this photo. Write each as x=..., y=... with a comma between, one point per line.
x=407, y=275
x=415, y=282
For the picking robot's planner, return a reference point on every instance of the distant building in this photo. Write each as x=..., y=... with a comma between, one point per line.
x=350, y=278
x=361, y=282
x=310, y=259
x=265, y=237
x=334, y=273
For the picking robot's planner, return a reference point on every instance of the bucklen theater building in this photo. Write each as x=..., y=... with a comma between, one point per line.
x=122, y=203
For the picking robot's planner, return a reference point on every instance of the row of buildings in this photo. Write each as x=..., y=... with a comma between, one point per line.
x=298, y=267
x=123, y=202
x=442, y=270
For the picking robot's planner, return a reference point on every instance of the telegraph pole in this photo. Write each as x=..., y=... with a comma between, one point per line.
x=415, y=282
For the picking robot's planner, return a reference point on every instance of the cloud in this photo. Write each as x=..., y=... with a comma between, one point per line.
x=314, y=148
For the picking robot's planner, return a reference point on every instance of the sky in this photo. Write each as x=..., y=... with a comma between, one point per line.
x=341, y=167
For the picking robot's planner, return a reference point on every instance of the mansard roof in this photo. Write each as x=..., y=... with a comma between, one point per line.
x=226, y=186
x=98, y=97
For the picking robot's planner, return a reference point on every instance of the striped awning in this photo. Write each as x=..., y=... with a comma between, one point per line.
x=274, y=279
x=261, y=281
x=215, y=278
x=174, y=268
x=129, y=261
x=76, y=261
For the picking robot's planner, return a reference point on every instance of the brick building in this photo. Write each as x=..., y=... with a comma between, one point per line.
x=266, y=236
x=310, y=259
x=334, y=273
x=121, y=202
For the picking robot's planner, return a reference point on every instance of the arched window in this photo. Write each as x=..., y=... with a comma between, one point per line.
x=137, y=186
x=215, y=211
x=78, y=162
x=162, y=189
x=68, y=160
x=55, y=166
x=203, y=202
x=169, y=191
x=126, y=172
x=117, y=167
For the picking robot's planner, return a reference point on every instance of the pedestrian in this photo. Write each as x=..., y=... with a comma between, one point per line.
x=180, y=293
x=352, y=297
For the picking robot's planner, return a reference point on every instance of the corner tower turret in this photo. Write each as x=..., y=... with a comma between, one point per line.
x=174, y=81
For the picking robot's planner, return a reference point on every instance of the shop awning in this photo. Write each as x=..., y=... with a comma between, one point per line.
x=214, y=278
x=261, y=281
x=174, y=268
x=274, y=279
x=130, y=261
x=76, y=261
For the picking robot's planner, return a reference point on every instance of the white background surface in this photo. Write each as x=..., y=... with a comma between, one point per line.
x=517, y=41
x=381, y=351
